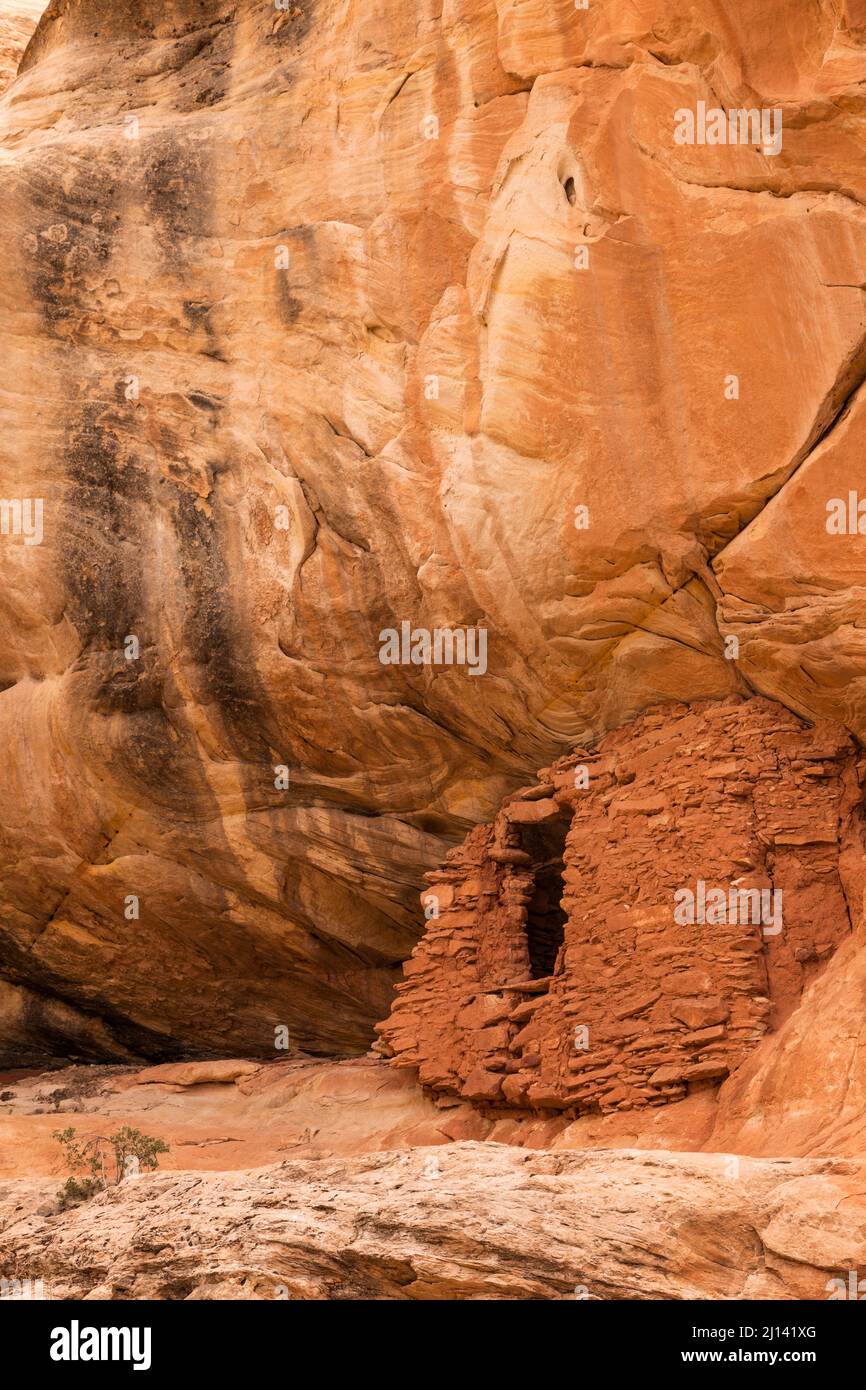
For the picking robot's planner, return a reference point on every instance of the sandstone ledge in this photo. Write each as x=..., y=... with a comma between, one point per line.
x=469, y=1222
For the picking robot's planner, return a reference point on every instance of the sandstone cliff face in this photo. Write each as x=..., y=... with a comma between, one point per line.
x=327, y=320
x=18, y=19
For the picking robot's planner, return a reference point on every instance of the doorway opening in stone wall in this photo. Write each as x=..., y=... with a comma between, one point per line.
x=546, y=918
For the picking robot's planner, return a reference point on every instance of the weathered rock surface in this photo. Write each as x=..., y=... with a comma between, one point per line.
x=366, y=1208
x=302, y=343
x=803, y=1091
x=322, y=321
x=411, y=1226
x=231, y=1115
x=18, y=19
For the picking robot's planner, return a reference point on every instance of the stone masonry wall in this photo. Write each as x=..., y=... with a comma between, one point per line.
x=641, y=1005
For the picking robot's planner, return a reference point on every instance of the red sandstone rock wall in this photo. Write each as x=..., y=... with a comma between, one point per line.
x=639, y=1005
x=238, y=248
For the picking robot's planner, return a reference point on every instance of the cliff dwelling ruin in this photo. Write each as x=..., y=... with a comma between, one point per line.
x=556, y=973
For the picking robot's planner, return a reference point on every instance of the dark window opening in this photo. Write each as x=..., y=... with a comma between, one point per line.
x=545, y=921
x=570, y=191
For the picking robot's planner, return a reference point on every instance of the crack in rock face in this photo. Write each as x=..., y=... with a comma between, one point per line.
x=325, y=326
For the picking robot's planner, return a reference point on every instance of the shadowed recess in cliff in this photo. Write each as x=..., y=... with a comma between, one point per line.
x=545, y=915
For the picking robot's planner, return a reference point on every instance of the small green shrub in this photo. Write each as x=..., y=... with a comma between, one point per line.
x=104, y=1161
